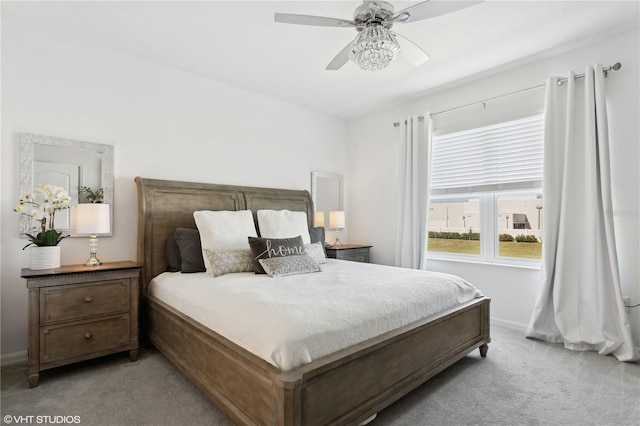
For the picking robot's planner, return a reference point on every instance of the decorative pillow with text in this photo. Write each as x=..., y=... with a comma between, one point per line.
x=265, y=248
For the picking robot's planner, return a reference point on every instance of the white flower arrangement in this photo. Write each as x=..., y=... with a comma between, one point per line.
x=54, y=198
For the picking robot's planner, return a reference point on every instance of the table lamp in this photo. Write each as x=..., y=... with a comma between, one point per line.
x=93, y=219
x=336, y=222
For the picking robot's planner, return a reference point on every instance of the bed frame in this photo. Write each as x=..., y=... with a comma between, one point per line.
x=346, y=387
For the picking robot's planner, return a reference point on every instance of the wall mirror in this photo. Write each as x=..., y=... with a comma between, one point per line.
x=68, y=163
x=326, y=192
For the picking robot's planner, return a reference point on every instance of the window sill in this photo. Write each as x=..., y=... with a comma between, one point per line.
x=535, y=266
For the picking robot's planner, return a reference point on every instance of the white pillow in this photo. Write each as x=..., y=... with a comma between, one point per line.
x=224, y=230
x=283, y=224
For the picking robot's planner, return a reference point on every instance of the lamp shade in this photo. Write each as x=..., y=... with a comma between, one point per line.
x=93, y=219
x=318, y=220
x=336, y=220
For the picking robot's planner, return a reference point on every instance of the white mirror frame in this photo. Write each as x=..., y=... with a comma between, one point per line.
x=316, y=180
x=27, y=143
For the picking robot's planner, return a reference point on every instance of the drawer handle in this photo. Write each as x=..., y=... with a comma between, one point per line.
x=88, y=336
x=88, y=299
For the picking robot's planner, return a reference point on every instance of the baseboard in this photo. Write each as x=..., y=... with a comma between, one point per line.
x=517, y=326
x=17, y=358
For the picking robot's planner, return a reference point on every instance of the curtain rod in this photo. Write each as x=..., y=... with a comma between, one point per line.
x=614, y=67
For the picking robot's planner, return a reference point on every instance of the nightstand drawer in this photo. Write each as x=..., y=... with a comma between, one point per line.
x=352, y=252
x=71, y=302
x=71, y=342
x=355, y=255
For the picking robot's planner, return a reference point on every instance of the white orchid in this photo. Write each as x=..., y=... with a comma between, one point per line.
x=54, y=198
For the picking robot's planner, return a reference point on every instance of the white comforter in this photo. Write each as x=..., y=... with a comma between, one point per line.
x=289, y=321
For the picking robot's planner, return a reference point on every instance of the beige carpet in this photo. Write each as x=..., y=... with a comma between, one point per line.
x=520, y=382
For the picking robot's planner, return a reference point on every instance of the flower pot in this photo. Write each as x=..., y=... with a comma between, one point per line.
x=44, y=257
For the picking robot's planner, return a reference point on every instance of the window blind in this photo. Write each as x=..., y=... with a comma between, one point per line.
x=502, y=156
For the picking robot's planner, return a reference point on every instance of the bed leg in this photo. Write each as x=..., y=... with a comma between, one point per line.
x=483, y=350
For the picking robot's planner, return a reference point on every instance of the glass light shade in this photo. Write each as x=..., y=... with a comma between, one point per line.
x=319, y=220
x=92, y=219
x=336, y=220
x=374, y=48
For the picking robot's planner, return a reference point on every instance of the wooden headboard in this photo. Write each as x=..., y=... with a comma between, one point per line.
x=164, y=205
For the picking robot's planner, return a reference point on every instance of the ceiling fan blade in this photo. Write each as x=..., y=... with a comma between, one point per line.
x=320, y=21
x=431, y=9
x=411, y=51
x=340, y=59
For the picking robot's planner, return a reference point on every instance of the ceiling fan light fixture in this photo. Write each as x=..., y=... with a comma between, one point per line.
x=374, y=48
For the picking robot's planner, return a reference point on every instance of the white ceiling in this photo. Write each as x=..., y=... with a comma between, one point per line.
x=238, y=42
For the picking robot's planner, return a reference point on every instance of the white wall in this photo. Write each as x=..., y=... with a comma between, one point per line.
x=374, y=149
x=163, y=124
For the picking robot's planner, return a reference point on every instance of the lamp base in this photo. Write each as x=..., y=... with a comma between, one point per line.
x=337, y=243
x=93, y=261
x=93, y=251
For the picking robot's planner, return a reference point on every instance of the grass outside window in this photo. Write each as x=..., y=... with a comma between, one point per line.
x=454, y=246
x=505, y=249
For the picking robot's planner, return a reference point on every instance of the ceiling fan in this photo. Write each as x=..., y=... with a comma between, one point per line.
x=376, y=45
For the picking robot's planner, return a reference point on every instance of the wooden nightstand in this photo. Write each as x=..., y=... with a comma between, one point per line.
x=353, y=252
x=78, y=313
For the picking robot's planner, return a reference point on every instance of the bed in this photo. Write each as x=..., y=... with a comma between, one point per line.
x=343, y=387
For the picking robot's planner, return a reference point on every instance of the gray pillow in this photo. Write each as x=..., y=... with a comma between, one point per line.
x=289, y=265
x=263, y=248
x=317, y=235
x=173, y=255
x=316, y=252
x=188, y=241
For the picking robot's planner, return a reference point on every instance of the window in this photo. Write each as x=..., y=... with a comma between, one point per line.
x=486, y=192
x=519, y=225
x=454, y=225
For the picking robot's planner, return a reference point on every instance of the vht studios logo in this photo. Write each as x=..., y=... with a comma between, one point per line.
x=9, y=419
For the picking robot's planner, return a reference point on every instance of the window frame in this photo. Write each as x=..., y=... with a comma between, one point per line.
x=452, y=198
x=489, y=227
x=488, y=195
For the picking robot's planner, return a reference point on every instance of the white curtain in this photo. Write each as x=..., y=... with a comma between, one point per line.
x=580, y=303
x=413, y=202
